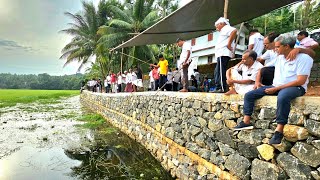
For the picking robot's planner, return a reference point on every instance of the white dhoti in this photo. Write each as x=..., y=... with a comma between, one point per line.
x=240, y=88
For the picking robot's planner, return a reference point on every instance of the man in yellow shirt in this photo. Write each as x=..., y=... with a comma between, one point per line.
x=163, y=71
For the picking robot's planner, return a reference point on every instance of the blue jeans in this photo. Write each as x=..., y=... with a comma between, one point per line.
x=220, y=72
x=283, y=101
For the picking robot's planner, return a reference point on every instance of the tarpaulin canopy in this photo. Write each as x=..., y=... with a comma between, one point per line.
x=197, y=18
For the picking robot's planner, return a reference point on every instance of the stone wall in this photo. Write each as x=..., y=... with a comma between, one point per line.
x=191, y=134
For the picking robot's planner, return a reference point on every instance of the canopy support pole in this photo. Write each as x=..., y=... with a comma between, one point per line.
x=226, y=6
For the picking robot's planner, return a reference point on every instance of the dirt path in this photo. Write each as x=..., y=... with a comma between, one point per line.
x=41, y=126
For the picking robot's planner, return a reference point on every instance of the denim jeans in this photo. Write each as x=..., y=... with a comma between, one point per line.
x=220, y=72
x=283, y=101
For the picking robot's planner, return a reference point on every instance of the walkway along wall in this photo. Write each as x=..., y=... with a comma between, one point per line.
x=191, y=134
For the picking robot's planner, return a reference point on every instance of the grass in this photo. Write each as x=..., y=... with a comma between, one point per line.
x=95, y=121
x=10, y=97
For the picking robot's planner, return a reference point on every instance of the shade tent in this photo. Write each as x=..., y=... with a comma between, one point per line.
x=197, y=18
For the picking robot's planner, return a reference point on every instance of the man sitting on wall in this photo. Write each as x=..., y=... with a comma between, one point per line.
x=241, y=77
x=290, y=81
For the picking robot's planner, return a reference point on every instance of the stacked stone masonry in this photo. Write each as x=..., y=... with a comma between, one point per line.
x=191, y=134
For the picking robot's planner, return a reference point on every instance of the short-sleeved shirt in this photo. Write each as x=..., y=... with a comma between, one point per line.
x=269, y=57
x=184, y=53
x=163, y=65
x=221, y=48
x=257, y=40
x=288, y=71
x=151, y=77
x=250, y=73
x=307, y=42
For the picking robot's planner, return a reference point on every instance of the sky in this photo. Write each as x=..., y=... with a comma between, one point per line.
x=30, y=42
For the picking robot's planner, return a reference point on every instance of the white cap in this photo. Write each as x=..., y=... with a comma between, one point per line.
x=222, y=20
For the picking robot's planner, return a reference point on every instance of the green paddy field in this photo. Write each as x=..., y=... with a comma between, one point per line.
x=10, y=97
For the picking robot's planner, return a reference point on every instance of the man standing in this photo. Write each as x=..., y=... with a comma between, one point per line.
x=290, y=81
x=241, y=77
x=306, y=41
x=184, y=62
x=176, y=79
x=256, y=42
x=163, y=71
x=223, y=52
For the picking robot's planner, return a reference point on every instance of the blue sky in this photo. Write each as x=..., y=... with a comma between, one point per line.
x=30, y=42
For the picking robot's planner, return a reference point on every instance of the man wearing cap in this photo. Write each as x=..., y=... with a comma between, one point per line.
x=223, y=52
x=184, y=62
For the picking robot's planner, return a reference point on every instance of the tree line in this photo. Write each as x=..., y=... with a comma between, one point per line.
x=41, y=81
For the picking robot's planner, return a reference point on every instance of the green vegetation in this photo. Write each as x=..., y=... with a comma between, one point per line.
x=41, y=81
x=9, y=97
x=96, y=121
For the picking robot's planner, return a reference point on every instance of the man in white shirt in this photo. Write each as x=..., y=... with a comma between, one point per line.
x=184, y=62
x=242, y=76
x=223, y=52
x=256, y=42
x=290, y=81
x=152, y=84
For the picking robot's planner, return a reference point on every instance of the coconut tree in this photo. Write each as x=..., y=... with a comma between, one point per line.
x=133, y=19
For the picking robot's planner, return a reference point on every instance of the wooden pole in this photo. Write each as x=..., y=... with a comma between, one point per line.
x=121, y=60
x=226, y=6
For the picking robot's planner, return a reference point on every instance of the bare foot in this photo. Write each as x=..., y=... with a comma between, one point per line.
x=183, y=90
x=231, y=91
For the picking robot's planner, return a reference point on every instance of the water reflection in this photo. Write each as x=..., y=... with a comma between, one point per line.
x=109, y=155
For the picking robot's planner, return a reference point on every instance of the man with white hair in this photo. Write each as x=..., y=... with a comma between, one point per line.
x=290, y=81
x=223, y=52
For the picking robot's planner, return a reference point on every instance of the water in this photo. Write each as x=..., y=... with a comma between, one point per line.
x=46, y=144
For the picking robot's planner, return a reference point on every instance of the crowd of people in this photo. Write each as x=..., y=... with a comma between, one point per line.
x=282, y=70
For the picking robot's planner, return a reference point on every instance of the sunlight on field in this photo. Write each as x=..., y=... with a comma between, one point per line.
x=10, y=97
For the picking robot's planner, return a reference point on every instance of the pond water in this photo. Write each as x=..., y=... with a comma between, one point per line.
x=48, y=143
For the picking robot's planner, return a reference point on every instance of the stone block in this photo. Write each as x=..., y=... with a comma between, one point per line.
x=248, y=150
x=295, y=133
x=224, y=137
x=203, y=122
x=306, y=153
x=313, y=127
x=238, y=165
x=218, y=116
x=283, y=146
x=262, y=124
x=200, y=139
x=315, y=116
x=194, y=121
x=265, y=170
x=225, y=150
x=296, y=118
x=208, y=115
x=266, y=151
x=229, y=114
x=194, y=130
x=315, y=175
x=230, y=123
x=316, y=143
x=267, y=113
x=211, y=144
x=235, y=107
x=294, y=168
x=216, y=159
x=193, y=147
x=254, y=136
x=197, y=104
x=215, y=125
x=169, y=132
x=205, y=154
